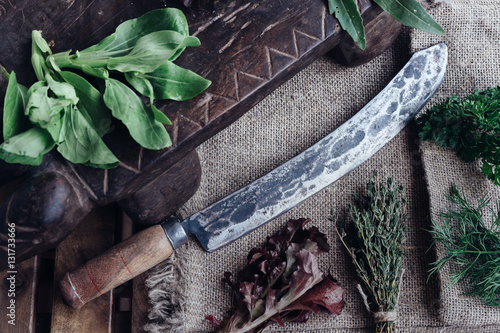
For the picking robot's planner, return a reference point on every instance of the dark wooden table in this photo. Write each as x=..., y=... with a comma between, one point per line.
x=248, y=49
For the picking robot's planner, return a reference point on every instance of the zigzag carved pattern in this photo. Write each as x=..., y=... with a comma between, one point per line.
x=244, y=82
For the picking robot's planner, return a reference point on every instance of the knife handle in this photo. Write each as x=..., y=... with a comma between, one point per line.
x=121, y=263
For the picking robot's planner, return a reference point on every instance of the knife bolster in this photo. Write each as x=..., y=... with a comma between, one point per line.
x=175, y=232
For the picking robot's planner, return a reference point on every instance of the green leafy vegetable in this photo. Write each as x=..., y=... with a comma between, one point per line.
x=41, y=107
x=168, y=81
x=470, y=126
x=39, y=50
x=139, y=119
x=128, y=32
x=470, y=247
x=82, y=144
x=91, y=102
x=408, y=12
x=27, y=147
x=72, y=112
x=373, y=238
x=151, y=51
x=15, y=101
x=282, y=282
x=347, y=13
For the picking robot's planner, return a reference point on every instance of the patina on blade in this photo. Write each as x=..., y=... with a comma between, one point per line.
x=328, y=160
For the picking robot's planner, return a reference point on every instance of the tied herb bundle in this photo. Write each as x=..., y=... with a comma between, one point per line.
x=373, y=238
x=282, y=282
x=470, y=247
x=66, y=110
x=470, y=126
x=408, y=12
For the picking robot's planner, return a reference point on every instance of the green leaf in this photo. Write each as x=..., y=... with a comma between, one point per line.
x=81, y=144
x=101, y=73
x=123, y=40
x=137, y=117
x=347, y=13
x=39, y=50
x=160, y=116
x=149, y=92
x=151, y=51
x=63, y=90
x=411, y=13
x=40, y=42
x=14, y=120
x=91, y=102
x=126, y=34
x=40, y=107
x=169, y=81
x=27, y=147
x=55, y=125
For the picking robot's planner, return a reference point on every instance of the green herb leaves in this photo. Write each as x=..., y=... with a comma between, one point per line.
x=67, y=110
x=412, y=14
x=408, y=12
x=347, y=13
x=470, y=246
x=373, y=237
x=470, y=126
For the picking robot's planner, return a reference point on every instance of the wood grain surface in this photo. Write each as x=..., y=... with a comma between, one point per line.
x=249, y=47
x=92, y=237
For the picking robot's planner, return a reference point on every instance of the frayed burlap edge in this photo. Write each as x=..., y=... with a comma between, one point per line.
x=166, y=285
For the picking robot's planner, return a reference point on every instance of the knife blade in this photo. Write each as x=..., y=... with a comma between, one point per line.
x=288, y=185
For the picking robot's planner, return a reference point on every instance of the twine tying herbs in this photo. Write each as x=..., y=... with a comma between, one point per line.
x=375, y=232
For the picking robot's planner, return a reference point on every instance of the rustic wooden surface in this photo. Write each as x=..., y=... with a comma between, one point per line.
x=381, y=30
x=92, y=237
x=249, y=47
x=258, y=51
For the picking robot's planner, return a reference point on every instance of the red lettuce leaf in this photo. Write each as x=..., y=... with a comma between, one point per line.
x=281, y=282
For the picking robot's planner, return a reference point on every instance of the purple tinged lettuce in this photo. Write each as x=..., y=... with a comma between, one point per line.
x=282, y=282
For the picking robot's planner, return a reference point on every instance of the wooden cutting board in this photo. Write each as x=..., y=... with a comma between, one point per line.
x=248, y=48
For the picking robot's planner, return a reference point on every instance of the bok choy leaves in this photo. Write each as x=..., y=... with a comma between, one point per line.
x=73, y=111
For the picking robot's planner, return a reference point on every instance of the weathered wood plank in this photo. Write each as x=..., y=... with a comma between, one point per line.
x=18, y=297
x=140, y=304
x=248, y=48
x=94, y=235
x=18, y=289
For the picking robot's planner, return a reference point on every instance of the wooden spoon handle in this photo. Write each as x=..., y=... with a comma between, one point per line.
x=119, y=264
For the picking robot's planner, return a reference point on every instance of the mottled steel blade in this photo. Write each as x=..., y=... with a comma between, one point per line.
x=328, y=160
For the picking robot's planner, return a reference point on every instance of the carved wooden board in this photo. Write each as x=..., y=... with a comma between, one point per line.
x=249, y=47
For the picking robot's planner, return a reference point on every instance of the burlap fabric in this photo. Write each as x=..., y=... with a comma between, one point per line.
x=189, y=286
x=474, y=41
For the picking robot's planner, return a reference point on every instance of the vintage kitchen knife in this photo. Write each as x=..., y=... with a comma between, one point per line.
x=275, y=193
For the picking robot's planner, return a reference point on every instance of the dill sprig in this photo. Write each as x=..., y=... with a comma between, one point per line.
x=470, y=246
x=373, y=236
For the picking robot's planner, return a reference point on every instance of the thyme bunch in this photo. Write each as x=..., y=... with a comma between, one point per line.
x=373, y=237
x=470, y=246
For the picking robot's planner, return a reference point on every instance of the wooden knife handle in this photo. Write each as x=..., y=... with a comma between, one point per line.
x=119, y=264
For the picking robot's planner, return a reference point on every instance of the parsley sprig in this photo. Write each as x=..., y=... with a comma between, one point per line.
x=470, y=126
